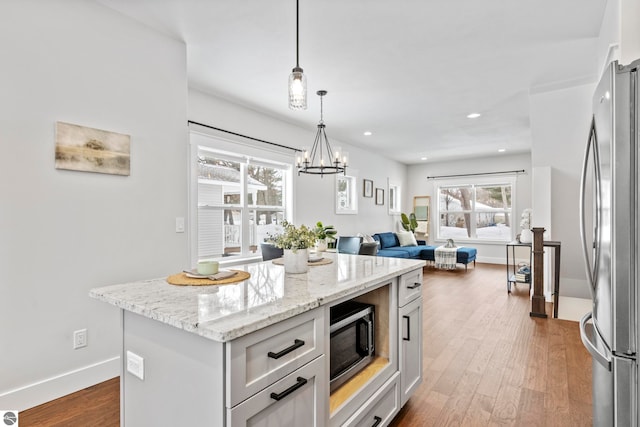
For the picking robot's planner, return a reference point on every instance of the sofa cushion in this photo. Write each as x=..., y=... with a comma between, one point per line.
x=406, y=238
x=388, y=240
x=394, y=252
x=412, y=251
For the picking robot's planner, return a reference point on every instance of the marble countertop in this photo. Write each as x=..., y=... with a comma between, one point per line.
x=226, y=312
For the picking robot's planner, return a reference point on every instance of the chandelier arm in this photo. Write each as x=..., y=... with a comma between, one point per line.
x=328, y=147
x=314, y=148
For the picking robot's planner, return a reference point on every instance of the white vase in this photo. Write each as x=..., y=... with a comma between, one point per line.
x=321, y=245
x=296, y=262
x=526, y=236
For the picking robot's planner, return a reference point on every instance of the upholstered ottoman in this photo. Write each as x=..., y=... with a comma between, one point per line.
x=464, y=255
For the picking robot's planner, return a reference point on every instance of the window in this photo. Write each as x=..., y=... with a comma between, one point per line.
x=394, y=197
x=475, y=211
x=346, y=195
x=239, y=199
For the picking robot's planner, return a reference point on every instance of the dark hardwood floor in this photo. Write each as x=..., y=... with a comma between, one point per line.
x=486, y=362
x=98, y=406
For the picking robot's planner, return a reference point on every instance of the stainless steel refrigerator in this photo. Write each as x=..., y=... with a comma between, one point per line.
x=609, y=226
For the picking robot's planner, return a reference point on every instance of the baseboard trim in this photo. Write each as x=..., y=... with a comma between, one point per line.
x=61, y=385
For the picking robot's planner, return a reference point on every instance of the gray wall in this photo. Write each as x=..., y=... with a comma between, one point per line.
x=63, y=232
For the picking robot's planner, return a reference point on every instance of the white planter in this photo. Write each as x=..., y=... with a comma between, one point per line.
x=296, y=262
x=321, y=245
x=526, y=236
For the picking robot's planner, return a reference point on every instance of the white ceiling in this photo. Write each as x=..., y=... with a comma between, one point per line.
x=407, y=70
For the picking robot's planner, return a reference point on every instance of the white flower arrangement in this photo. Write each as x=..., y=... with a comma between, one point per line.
x=525, y=222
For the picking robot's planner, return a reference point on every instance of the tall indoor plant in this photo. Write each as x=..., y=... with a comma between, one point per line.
x=295, y=241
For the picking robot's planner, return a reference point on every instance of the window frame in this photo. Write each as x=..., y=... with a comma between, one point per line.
x=246, y=155
x=474, y=211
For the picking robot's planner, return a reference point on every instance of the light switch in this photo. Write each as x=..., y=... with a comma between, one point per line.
x=180, y=224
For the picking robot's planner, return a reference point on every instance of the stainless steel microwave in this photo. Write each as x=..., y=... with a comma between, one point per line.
x=351, y=340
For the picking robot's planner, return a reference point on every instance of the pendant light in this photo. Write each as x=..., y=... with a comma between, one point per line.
x=321, y=160
x=297, y=79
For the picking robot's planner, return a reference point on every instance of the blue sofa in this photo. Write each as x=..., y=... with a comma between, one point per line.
x=390, y=247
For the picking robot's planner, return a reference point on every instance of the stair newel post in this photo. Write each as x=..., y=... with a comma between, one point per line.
x=538, y=300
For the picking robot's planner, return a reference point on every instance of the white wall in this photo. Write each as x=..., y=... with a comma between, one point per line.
x=314, y=196
x=629, y=30
x=62, y=232
x=419, y=185
x=559, y=128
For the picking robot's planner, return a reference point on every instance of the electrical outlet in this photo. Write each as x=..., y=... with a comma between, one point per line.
x=135, y=365
x=80, y=339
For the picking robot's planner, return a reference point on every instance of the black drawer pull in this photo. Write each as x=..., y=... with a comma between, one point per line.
x=278, y=355
x=415, y=285
x=378, y=421
x=300, y=383
x=408, y=338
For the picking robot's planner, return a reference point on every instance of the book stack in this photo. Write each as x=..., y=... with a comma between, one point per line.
x=523, y=274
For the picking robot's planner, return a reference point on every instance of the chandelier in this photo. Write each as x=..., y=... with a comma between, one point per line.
x=321, y=160
x=297, y=80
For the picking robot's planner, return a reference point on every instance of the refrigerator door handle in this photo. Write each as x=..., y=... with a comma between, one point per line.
x=592, y=270
x=597, y=355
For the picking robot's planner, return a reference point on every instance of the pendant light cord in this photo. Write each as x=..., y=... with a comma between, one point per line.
x=297, y=36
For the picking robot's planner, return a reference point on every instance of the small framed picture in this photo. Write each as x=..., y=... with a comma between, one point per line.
x=367, y=188
x=379, y=196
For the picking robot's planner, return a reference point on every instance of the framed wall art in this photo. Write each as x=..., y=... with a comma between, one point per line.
x=367, y=188
x=379, y=196
x=86, y=149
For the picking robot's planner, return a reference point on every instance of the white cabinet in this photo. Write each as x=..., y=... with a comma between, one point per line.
x=380, y=408
x=410, y=321
x=410, y=332
x=267, y=355
x=277, y=376
x=299, y=399
x=409, y=287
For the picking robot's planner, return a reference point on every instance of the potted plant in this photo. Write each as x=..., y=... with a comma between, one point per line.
x=295, y=241
x=409, y=223
x=325, y=234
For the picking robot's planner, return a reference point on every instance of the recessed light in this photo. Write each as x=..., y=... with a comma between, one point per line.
x=423, y=158
x=501, y=150
x=473, y=115
x=367, y=133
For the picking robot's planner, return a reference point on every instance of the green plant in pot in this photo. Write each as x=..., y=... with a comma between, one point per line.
x=409, y=223
x=325, y=235
x=293, y=238
x=295, y=241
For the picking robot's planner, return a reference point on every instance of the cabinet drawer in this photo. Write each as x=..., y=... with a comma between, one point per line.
x=381, y=407
x=409, y=287
x=261, y=358
x=299, y=399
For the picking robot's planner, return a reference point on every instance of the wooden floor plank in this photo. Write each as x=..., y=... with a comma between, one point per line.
x=526, y=371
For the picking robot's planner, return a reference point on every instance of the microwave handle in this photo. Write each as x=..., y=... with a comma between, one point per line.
x=369, y=321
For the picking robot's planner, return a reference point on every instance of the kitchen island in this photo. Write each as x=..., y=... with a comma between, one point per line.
x=204, y=355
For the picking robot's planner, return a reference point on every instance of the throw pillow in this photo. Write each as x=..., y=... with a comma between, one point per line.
x=387, y=240
x=368, y=239
x=407, y=239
